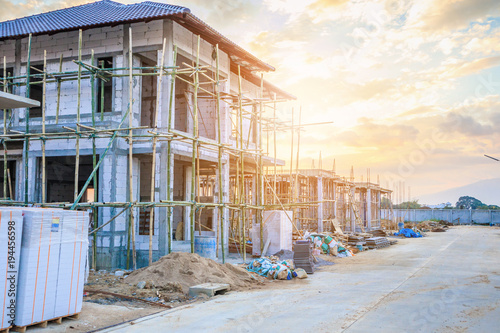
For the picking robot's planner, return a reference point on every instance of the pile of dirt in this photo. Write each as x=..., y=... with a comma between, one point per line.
x=183, y=270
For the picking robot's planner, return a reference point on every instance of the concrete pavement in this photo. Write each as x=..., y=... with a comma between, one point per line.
x=446, y=282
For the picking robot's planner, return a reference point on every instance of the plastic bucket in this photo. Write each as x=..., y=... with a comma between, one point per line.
x=205, y=246
x=401, y=225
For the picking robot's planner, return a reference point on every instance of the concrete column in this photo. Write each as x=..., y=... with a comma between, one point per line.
x=335, y=202
x=320, y=205
x=17, y=90
x=187, y=197
x=225, y=187
x=353, y=218
x=379, y=207
x=163, y=189
x=369, y=208
x=124, y=79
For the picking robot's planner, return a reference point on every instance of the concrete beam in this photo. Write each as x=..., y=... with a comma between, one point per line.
x=11, y=101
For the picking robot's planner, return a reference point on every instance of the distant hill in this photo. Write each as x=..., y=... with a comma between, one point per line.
x=488, y=191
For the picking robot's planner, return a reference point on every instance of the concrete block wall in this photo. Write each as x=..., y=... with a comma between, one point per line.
x=250, y=90
x=103, y=40
x=462, y=216
x=208, y=118
x=8, y=50
x=147, y=34
x=112, y=239
x=187, y=41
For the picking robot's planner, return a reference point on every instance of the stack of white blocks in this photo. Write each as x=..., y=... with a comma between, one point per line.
x=277, y=228
x=11, y=228
x=53, y=260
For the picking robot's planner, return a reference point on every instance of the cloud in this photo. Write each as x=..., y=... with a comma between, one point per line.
x=476, y=119
x=12, y=10
x=447, y=15
x=465, y=125
x=369, y=133
x=419, y=110
x=321, y=5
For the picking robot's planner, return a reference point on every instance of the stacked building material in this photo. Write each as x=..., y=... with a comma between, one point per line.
x=354, y=240
x=378, y=233
x=277, y=229
x=11, y=228
x=52, y=265
x=302, y=256
x=377, y=242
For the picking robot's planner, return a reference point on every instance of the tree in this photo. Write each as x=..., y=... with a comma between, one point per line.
x=408, y=205
x=385, y=203
x=467, y=202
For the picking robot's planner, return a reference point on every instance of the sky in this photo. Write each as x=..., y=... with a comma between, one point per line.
x=412, y=86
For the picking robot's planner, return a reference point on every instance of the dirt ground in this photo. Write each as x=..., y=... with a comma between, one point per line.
x=444, y=282
x=95, y=316
x=167, y=283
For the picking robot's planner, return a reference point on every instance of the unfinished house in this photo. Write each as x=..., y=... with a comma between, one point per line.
x=322, y=201
x=149, y=118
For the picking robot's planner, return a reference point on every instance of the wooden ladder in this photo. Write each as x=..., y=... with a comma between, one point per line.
x=354, y=207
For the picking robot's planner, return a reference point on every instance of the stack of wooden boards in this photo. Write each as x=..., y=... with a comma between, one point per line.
x=52, y=264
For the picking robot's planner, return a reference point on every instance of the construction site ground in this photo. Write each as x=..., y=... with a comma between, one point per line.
x=445, y=282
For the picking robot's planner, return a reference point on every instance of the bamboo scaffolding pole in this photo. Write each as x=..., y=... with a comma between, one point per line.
x=27, y=125
x=102, y=92
x=94, y=164
x=93, y=232
x=242, y=169
x=297, y=188
x=44, y=90
x=5, y=130
x=131, y=147
x=291, y=189
x=274, y=143
x=195, y=146
x=59, y=90
x=219, y=157
x=153, y=162
x=260, y=188
x=78, y=101
x=10, y=183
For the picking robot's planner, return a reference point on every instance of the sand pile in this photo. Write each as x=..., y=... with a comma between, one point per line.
x=189, y=269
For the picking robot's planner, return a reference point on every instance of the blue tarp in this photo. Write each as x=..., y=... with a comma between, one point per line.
x=408, y=233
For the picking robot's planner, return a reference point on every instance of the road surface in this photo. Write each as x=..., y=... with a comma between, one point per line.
x=446, y=282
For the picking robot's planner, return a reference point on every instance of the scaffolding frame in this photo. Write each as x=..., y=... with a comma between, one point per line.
x=238, y=103
x=254, y=185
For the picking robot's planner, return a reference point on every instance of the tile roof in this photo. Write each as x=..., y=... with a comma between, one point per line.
x=98, y=13
x=107, y=12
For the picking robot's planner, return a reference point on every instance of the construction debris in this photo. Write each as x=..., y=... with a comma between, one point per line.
x=272, y=268
x=408, y=233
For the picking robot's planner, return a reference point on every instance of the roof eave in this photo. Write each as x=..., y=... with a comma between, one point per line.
x=195, y=25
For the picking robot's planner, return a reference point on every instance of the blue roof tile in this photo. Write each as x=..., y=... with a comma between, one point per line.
x=92, y=14
x=107, y=12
